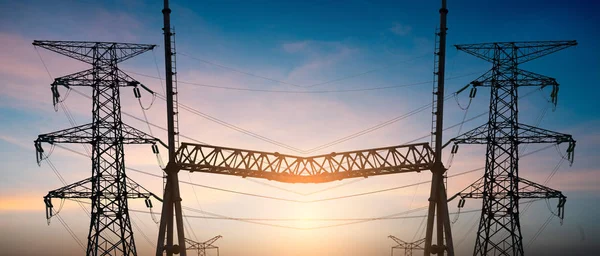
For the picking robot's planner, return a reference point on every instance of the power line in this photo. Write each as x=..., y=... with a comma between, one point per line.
x=303, y=219
x=275, y=198
x=304, y=92
x=211, y=118
x=298, y=85
x=373, y=128
x=235, y=127
x=242, y=72
x=278, y=143
x=142, y=231
x=394, y=120
x=142, y=120
x=69, y=230
x=540, y=230
x=300, y=201
x=158, y=73
x=326, y=145
x=305, y=194
x=258, y=220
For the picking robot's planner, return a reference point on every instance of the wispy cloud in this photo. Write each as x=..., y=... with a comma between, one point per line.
x=294, y=47
x=401, y=29
x=320, y=57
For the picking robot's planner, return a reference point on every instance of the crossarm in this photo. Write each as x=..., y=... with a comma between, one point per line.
x=527, y=189
x=524, y=78
x=84, y=51
x=193, y=245
x=83, y=190
x=315, y=169
x=526, y=134
x=87, y=78
x=526, y=51
x=83, y=134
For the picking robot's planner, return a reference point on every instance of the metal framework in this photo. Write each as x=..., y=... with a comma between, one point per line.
x=286, y=168
x=527, y=190
x=501, y=187
x=408, y=247
x=438, y=205
x=202, y=247
x=294, y=169
x=171, y=206
x=109, y=188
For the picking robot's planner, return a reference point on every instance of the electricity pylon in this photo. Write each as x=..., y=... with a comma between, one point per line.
x=408, y=247
x=501, y=187
x=109, y=188
x=202, y=247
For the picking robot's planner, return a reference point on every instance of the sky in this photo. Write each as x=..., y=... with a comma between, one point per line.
x=264, y=52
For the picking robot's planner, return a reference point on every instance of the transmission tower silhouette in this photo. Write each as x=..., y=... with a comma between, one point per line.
x=109, y=188
x=408, y=247
x=501, y=187
x=203, y=246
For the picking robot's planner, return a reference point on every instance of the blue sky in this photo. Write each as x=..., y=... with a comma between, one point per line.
x=302, y=43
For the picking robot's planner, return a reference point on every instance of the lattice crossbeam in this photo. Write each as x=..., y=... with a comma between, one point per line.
x=294, y=169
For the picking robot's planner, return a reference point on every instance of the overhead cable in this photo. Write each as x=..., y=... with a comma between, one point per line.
x=298, y=85
x=304, y=91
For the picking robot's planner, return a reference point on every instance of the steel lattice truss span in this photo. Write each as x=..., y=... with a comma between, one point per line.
x=109, y=188
x=501, y=188
x=295, y=169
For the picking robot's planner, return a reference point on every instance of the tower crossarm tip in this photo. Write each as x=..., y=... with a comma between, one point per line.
x=212, y=240
x=475, y=190
x=401, y=243
x=530, y=189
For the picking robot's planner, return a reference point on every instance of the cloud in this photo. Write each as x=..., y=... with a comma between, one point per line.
x=320, y=59
x=15, y=141
x=26, y=82
x=294, y=47
x=400, y=29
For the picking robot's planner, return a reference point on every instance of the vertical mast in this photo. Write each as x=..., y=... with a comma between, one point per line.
x=169, y=80
x=171, y=197
x=440, y=79
x=438, y=197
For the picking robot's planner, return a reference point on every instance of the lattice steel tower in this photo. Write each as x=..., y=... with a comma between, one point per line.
x=501, y=187
x=408, y=247
x=201, y=247
x=109, y=188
